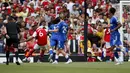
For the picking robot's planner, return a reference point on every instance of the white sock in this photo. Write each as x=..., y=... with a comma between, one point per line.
x=66, y=56
x=121, y=57
x=54, y=51
x=56, y=57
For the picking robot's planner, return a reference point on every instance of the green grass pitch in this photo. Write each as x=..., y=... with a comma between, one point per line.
x=75, y=67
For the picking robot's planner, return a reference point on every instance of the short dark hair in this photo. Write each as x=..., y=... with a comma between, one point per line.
x=10, y=18
x=57, y=20
x=26, y=28
x=112, y=10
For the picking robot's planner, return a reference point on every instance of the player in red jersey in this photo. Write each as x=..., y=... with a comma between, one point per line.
x=41, y=37
x=29, y=49
x=106, y=41
x=107, y=36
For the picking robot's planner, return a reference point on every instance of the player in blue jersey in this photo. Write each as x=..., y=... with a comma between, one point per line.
x=53, y=42
x=62, y=29
x=115, y=41
x=53, y=39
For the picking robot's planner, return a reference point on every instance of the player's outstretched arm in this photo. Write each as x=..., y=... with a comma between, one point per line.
x=30, y=38
x=55, y=30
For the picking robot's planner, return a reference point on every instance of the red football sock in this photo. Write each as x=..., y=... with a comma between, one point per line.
x=41, y=54
x=30, y=53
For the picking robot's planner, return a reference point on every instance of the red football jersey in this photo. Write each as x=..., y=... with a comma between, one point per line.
x=107, y=35
x=41, y=36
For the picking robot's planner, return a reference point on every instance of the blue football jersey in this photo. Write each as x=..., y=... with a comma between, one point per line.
x=53, y=34
x=114, y=24
x=63, y=30
x=115, y=35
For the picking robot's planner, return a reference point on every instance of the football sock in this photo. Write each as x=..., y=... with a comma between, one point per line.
x=41, y=54
x=30, y=53
x=56, y=57
x=67, y=57
x=16, y=55
x=26, y=53
x=116, y=54
x=121, y=57
x=7, y=55
x=51, y=53
x=53, y=57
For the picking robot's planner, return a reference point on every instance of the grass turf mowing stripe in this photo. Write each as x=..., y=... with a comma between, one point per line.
x=75, y=67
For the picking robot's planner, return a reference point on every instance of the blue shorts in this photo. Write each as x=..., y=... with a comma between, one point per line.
x=53, y=41
x=61, y=41
x=61, y=44
x=115, y=39
x=118, y=49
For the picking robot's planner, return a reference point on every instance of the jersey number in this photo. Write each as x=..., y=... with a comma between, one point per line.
x=40, y=34
x=64, y=29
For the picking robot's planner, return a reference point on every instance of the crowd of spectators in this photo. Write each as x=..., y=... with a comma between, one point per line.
x=28, y=12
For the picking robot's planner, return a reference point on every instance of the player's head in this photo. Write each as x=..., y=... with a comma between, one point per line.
x=43, y=22
x=112, y=10
x=62, y=16
x=34, y=26
x=57, y=20
x=10, y=18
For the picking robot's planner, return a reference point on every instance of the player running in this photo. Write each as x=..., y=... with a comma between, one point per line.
x=115, y=41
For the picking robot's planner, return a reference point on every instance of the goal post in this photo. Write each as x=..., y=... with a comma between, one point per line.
x=122, y=4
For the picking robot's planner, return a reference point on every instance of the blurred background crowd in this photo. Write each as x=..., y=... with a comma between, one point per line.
x=28, y=12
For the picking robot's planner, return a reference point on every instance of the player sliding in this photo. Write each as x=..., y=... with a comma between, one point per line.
x=41, y=36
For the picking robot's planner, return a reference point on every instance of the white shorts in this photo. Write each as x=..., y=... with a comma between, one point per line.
x=107, y=45
x=36, y=46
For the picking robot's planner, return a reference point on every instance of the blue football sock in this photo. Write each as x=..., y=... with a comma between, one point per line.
x=51, y=53
x=67, y=57
x=53, y=57
x=116, y=54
